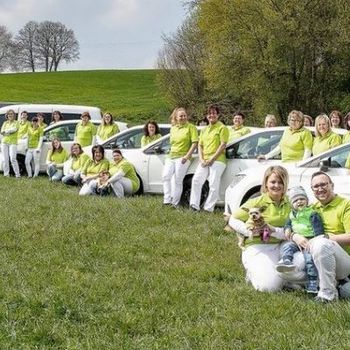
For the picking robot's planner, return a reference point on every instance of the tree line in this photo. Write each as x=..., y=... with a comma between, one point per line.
x=267, y=56
x=37, y=46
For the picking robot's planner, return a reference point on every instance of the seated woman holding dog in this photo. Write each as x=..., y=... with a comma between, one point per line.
x=261, y=254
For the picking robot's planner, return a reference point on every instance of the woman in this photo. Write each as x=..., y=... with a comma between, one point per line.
x=60, y=133
x=270, y=121
x=260, y=258
x=151, y=133
x=296, y=141
x=336, y=119
x=123, y=180
x=238, y=129
x=183, y=142
x=308, y=120
x=73, y=166
x=325, y=138
x=85, y=131
x=92, y=169
x=23, y=127
x=56, y=117
x=106, y=129
x=212, y=161
x=55, y=160
x=41, y=120
x=34, y=143
x=9, y=131
x=346, y=137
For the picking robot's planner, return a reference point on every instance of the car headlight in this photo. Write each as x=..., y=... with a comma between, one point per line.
x=237, y=179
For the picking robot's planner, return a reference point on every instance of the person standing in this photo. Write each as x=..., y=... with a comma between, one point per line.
x=34, y=143
x=212, y=161
x=22, y=135
x=150, y=133
x=183, y=142
x=270, y=121
x=9, y=131
x=106, y=129
x=238, y=129
x=85, y=131
x=336, y=119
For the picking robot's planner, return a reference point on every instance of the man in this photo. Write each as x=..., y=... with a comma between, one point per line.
x=330, y=252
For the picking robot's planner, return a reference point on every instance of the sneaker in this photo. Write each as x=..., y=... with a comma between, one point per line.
x=285, y=266
x=312, y=287
x=192, y=208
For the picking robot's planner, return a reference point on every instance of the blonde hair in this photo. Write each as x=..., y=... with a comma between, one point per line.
x=270, y=117
x=317, y=121
x=296, y=114
x=173, y=115
x=279, y=171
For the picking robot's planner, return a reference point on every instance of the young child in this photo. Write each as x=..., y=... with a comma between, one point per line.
x=103, y=188
x=308, y=223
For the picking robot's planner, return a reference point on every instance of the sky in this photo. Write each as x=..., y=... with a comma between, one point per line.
x=112, y=34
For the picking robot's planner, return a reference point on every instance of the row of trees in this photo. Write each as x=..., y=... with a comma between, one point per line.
x=37, y=46
x=262, y=56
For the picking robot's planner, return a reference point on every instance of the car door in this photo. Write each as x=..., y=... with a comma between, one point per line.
x=243, y=153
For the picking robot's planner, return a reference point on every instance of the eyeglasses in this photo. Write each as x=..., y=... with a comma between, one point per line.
x=321, y=185
x=296, y=120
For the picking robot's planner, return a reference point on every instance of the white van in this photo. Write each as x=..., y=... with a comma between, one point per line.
x=69, y=111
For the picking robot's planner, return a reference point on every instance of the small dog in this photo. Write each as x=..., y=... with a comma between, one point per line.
x=256, y=225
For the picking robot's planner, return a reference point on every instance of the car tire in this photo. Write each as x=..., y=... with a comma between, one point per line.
x=252, y=193
x=186, y=192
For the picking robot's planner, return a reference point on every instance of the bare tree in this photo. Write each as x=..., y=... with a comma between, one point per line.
x=27, y=53
x=6, y=48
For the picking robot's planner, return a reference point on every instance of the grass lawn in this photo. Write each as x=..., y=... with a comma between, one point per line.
x=102, y=273
x=131, y=95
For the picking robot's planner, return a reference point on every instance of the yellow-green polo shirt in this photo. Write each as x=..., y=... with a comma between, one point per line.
x=85, y=133
x=294, y=143
x=79, y=161
x=326, y=142
x=43, y=126
x=235, y=132
x=12, y=138
x=347, y=164
x=129, y=172
x=57, y=157
x=92, y=168
x=275, y=215
x=210, y=139
x=346, y=137
x=145, y=140
x=106, y=131
x=181, y=139
x=335, y=216
x=34, y=137
x=23, y=129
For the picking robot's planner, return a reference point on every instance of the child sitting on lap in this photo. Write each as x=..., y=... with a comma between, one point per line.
x=308, y=223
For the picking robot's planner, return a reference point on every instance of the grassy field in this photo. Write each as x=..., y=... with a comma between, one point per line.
x=102, y=273
x=131, y=96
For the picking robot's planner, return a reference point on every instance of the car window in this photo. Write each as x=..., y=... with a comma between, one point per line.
x=335, y=159
x=2, y=119
x=62, y=132
x=254, y=145
x=160, y=148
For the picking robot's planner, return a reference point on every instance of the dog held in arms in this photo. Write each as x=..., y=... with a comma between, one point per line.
x=256, y=227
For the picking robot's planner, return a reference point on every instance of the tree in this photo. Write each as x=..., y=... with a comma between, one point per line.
x=6, y=48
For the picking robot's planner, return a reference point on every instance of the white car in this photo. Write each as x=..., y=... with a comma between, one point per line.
x=246, y=184
x=65, y=129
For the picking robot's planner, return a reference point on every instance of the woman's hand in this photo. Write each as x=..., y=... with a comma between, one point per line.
x=184, y=160
x=301, y=241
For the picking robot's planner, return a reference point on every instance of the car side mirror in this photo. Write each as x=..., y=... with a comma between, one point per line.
x=324, y=165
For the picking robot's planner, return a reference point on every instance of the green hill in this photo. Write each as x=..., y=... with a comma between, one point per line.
x=130, y=95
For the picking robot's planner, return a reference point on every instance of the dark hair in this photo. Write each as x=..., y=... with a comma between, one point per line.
x=59, y=149
x=215, y=107
x=85, y=114
x=103, y=120
x=35, y=119
x=56, y=112
x=346, y=119
x=239, y=114
x=338, y=114
x=97, y=148
x=24, y=112
x=152, y=122
x=203, y=120
x=76, y=144
x=117, y=150
x=318, y=173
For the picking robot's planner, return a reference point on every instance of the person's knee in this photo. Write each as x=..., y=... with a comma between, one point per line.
x=321, y=247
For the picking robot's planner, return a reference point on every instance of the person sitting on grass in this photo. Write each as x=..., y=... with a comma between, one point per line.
x=307, y=222
x=55, y=160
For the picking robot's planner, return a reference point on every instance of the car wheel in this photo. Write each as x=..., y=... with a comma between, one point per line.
x=186, y=191
x=252, y=193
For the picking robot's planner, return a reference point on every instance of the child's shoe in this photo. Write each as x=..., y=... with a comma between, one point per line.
x=285, y=266
x=312, y=287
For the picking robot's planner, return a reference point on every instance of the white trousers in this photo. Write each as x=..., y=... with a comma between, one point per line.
x=32, y=154
x=9, y=152
x=213, y=174
x=173, y=175
x=259, y=261
x=332, y=263
x=122, y=187
x=88, y=188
